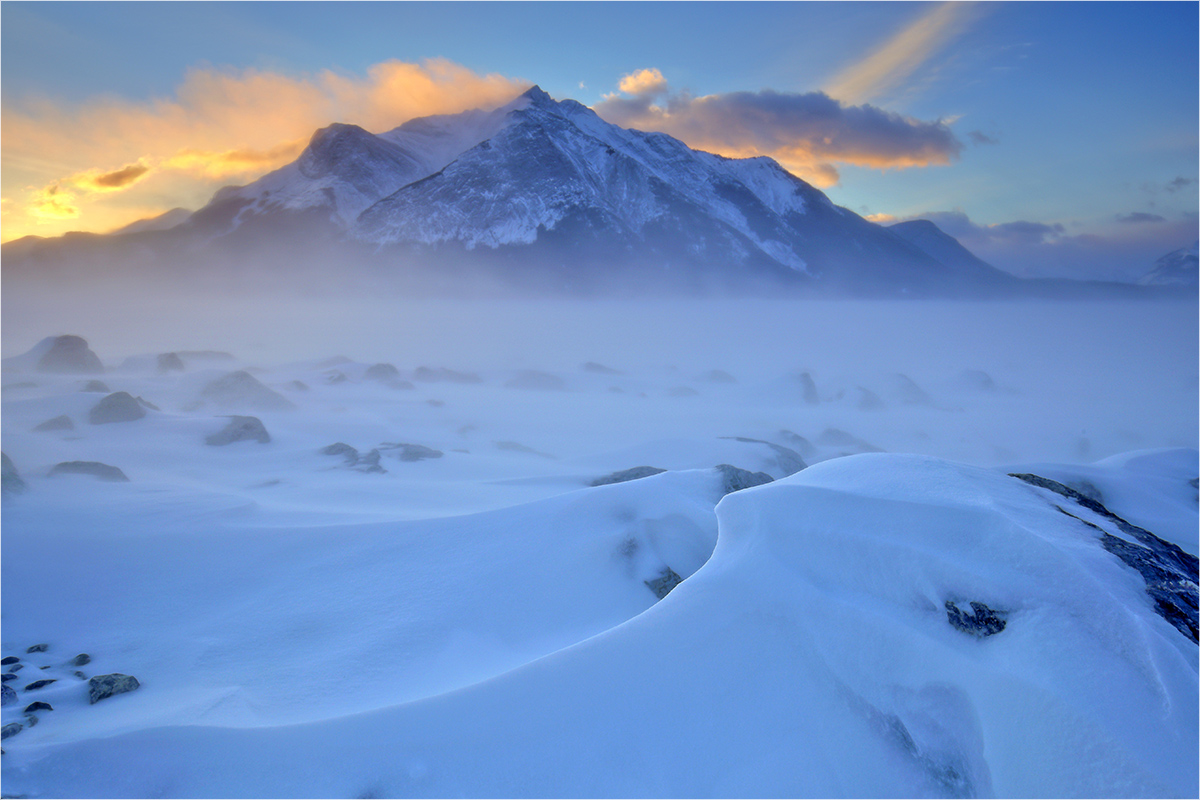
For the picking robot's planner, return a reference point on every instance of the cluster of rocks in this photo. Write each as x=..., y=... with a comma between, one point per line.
x=99, y=687
x=239, y=429
x=354, y=459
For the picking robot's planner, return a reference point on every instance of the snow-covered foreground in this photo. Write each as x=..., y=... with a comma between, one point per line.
x=453, y=608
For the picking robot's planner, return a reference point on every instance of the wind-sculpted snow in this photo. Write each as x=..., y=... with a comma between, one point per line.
x=812, y=655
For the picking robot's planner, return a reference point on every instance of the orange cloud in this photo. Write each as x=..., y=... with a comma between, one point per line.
x=218, y=124
x=643, y=82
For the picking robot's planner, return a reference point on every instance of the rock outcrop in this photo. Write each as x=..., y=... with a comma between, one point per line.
x=70, y=354
x=59, y=423
x=105, y=472
x=240, y=389
x=240, y=429
x=116, y=407
x=631, y=474
x=10, y=480
x=104, y=686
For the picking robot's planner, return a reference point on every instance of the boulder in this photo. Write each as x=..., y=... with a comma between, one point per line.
x=348, y=453
x=11, y=729
x=442, y=374
x=7, y=695
x=240, y=389
x=40, y=684
x=116, y=407
x=38, y=648
x=787, y=460
x=905, y=389
x=9, y=660
x=10, y=484
x=240, y=429
x=104, y=472
x=667, y=580
x=95, y=386
x=631, y=474
x=69, y=354
x=38, y=705
x=60, y=423
x=411, y=452
x=8, y=676
x=80, y=660
x=103, y=686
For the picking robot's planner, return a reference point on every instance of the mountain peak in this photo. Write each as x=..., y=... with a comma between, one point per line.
x=536, y=96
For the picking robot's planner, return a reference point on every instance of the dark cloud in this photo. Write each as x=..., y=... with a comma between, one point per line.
x=958, y=225
x=808, y=133
x=1139, y=217
x=121, y=177
x=1179, y=183
x=979, y=137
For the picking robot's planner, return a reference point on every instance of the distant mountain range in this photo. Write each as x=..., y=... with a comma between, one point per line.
x=536, y=194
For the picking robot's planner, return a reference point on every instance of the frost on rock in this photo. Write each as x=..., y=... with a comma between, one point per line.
x=981, y=622
x=103, y=686
x=734, y=479
x=631, y=474
x=667, y=580
x=1169, y=572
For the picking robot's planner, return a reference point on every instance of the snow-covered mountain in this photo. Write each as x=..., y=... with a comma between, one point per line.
x=1178, y=268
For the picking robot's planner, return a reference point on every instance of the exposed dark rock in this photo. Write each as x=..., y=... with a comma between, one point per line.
x=38, y=648
x=382, y=372
x=1170, y=573
x=976, y=379
x=536, y=380
x=38, y=706
x=240, y=389
x=80, y=660
x=10, y=481
x=443, y=374
x=335, y=376
x=807, y=449
x=981, y=622
x=296, y=386
x=735, y=479
x=16, y=667
x=102, y=686
x=342, y=449
x=95, y=386
x=60, y=423
x=11, y=729
x=808, y=389
x=40, y=684
x=867, y=400
x=239, y=429
x=411, y=452
x=104, y=472
x=787, y=460
x=9, y=660
x=1088, y=490
x=600, y=369
x=664, y=583
x=905, y=389
x=80, y=675
x=631, y=474
x=116, y=407
x=69, y=354
x=170, y=362
x=8, y=676
x=31, y=720
x=369, y=462
x=7, y=695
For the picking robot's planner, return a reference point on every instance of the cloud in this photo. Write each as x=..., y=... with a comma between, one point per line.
x=218, y=124
x=1179, y=183
x=979, y=137
x=99, y=181
x=1139, y=217
x=890, y=65
x=808, y=133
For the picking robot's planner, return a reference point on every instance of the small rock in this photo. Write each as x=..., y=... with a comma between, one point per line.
x=443, y=374
x=11, y=729
x=7, y=695
x=982, y=622
x=10, y=480
x=80, y=660
x=8, y=676
x=412, y=452
x=116, y=407
x=631, y=474
x=38, y=684
x=60, y=423
x=102, y=686
x=536, y=380
x=31, y=720
x=667, y=580
x=8, y=660
x=38, y=705
x=342, y=449
x=95, y=386
x=38, y=648
x=240, y=429
x=80, y=675
x=104, y=472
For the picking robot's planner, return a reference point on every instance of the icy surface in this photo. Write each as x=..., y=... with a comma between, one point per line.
x=873, y=623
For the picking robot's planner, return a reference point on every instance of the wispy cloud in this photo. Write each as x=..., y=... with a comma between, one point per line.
x=218, y=125
x=893, y=63
x=810, y=134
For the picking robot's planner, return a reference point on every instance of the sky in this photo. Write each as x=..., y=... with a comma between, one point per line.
x=1052, y=139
